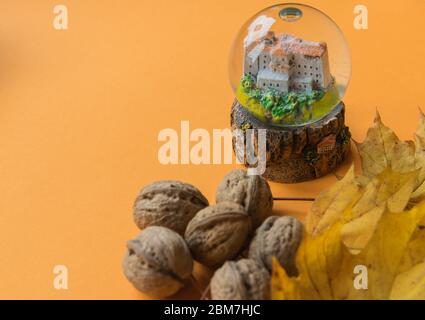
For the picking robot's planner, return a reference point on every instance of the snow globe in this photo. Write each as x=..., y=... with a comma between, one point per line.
x=289, y=69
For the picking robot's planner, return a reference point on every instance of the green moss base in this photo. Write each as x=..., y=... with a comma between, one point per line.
x=251, y=98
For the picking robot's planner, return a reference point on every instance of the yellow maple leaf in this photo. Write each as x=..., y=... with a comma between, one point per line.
x=317, y=259
x=410, y=285
x=419, y=193
x=329, y=204
x=420, y=131
x=383, y=149
x=361, y=222
x=326, y=268
x=387, y=191
x=415, y=251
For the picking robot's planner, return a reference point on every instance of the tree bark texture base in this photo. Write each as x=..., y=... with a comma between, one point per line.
x=299, y=153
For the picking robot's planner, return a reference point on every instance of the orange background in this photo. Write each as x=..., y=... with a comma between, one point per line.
x=80, y=111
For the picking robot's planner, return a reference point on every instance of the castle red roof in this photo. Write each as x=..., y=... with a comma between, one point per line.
x=284, y=44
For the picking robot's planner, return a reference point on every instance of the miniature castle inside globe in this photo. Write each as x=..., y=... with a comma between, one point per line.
x=289, y=68
x=286, y=63
x=286, y=56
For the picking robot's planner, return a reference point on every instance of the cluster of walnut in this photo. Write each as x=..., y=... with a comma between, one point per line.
x=238, y=236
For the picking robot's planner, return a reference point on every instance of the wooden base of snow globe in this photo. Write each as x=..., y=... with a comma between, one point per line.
x=303, y=152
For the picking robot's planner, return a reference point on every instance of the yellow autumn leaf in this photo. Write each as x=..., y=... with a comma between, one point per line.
x=329, y=204
x=360, y=223
x=383, y=149
x=420, y=131
x=326, y=267
x=415, y=251
x=410, y=285
x=356, y=234
x=389, y=190
x=385, y=250
x=389, y=186
x=419, y=193
x=316, y=259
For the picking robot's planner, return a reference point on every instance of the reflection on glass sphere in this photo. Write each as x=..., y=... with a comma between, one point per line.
x=289, y=65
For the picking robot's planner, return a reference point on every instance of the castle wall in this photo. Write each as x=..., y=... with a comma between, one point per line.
x=274, y=80
x=264, y=61
x=301, y=84
x=250, y=67
x=326, y=73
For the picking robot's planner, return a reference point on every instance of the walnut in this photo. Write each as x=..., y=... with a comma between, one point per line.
x=252, y=192
x=158, y=262
x=168, y=203
x=218, y=233
x=279, y=237
x=241, y=280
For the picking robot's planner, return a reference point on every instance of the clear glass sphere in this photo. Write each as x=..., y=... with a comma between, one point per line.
x=290, y=65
